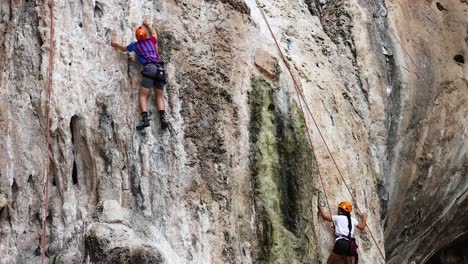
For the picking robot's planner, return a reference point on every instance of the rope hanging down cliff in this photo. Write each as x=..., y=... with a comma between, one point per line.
x=46, y=169
x=301, y=97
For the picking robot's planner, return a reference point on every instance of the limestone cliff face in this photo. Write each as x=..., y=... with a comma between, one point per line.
x=428, y=148
x=234, y=181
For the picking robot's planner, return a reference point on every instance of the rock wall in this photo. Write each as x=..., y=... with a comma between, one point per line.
x=234, y=180
x=427, y=178
x=453, y=253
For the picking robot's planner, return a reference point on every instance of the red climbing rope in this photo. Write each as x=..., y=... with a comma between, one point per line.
x=46, y=170
x=427, y=83
x=299, y=92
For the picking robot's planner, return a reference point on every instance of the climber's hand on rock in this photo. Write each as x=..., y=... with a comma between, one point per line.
x=320, y=202
x=147, y=23
x=118, y=46
x=363, y=223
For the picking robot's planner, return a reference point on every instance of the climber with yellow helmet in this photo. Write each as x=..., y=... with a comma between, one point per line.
x=345, y=244
x=153, y=74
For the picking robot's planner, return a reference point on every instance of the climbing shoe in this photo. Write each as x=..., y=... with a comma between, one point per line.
x=163, y=119
x=145, y=121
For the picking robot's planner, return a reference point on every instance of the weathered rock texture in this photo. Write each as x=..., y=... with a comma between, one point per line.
x=234, y=181
x=428, y=152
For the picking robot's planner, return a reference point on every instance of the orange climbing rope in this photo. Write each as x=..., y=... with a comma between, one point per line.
x=300, y=94
x=427, y=83
x=46, y=170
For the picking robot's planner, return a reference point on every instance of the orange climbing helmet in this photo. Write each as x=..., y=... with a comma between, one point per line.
x=141, y=34
x=346, y=206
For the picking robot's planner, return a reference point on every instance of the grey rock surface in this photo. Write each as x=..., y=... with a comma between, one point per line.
x=234, y=181
x=111, y=212
x=428, y=151
x=116, y=243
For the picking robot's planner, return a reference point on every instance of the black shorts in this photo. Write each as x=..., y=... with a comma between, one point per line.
x=345, y=247
x=147, y=79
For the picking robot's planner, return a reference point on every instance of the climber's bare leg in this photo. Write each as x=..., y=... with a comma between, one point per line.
x=158, y=96
x=334, y=258
x=143, y=94
x=350, y=260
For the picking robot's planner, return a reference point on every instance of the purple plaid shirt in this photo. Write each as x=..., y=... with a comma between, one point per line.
x=146, y=50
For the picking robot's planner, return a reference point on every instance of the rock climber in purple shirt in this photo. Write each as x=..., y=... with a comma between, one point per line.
x=153, y=74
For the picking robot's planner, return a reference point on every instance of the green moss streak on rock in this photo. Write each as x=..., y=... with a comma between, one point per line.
x=280, y=155
x=298, y=172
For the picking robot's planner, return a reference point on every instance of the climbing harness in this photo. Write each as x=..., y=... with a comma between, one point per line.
x=46, y=169
x=159, y=75
x=301, y=98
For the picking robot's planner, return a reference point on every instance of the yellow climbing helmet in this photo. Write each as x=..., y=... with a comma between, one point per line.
x=346, y=206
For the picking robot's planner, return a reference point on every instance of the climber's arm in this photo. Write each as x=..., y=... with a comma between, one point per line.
x=118, y=46
x=324, y=215
x=153, y=32
x=362, y=225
